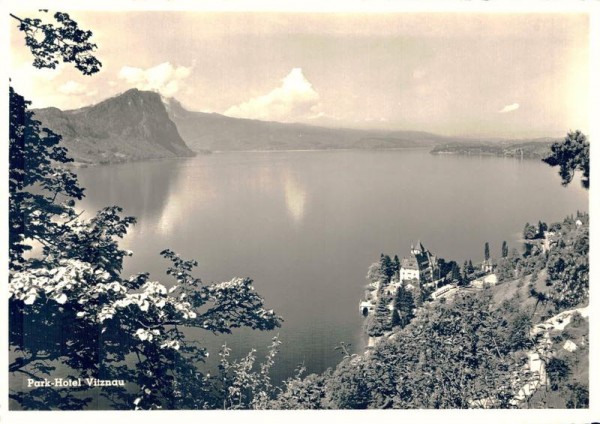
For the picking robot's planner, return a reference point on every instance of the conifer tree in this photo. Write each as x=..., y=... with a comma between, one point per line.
x=404, y=305
x=504, y=249
x=387, y=267
x=396, y=264
x=381, y=321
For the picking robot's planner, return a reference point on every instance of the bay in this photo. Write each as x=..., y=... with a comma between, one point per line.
x=306, y=225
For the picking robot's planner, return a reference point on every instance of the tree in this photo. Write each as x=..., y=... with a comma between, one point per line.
x=568, y=269
x=542, y=228
x=452, y=355
x=570, y=155
x=464, y=278
x=374, y=273
x=558, y=371
x=455, y=272
x=403, y=306
x=241, y=385
x=504, y=249
x=387, y=267
x=41, y=190
x=64, y=41
x=486, y=251
x=519, y=328
x=303, y=393
x=396, y=320
x=69, y=307
x=529, y=232
x=396, y=264
x=380, y=322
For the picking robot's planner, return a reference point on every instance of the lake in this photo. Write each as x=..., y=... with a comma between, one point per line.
x=307, y=225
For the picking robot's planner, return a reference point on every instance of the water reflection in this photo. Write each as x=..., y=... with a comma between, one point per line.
x=142, y=189
x=295, y=196
x=193, y=192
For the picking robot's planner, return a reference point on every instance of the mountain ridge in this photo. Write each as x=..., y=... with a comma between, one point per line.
x=128, y=127
x=142, y=125
x=215, y=132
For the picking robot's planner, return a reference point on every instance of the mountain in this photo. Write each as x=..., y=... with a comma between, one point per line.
x=215, y=132
x=131, y=126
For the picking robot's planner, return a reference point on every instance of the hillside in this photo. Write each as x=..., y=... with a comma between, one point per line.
x=521, y=343
x=530, y=149
x=131, y=126
x=214, y=132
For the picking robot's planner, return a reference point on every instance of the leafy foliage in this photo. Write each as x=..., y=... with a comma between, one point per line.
x=302, y=393
x=244, y=387
x=374, y=273
x=529, y=232
x=64, y=41
x=570, y=155
x=450, y=356
x=70, y=309
x=41, y=189
x=568, y=269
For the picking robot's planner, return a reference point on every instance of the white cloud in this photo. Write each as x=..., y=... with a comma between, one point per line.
x=294, y=99
x=73, y=88
x=164, y=78
x=509, y=108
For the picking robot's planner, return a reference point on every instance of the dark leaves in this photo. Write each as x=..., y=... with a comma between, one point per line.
x=572, y=154
x=50, y=43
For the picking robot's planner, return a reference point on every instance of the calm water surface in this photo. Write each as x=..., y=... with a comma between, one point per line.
x=306, y=226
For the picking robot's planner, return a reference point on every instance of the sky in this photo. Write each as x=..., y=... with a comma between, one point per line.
x=466, y=74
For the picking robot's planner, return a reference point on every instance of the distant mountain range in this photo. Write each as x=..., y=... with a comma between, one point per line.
x=215, y=132
x=141, y=125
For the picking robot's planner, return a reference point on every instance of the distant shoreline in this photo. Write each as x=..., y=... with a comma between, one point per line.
x=321, y=150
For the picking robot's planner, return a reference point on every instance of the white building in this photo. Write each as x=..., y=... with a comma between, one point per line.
x=420, y=265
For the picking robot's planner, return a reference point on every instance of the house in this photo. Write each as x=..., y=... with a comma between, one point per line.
x=420, y=265
x=487, y=266
x=409, y=269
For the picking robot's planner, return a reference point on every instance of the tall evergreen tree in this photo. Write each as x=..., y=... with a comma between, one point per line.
x=387, y=267
x=504, y=249
x=381, y=320
x=542, y=228
x=455, y=273
x=486, y=251
x=404, y=304
x=465, y=274
x=395, y=318
x=396, y=264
